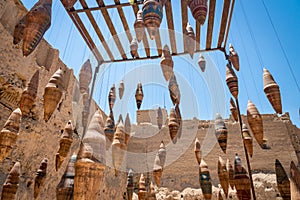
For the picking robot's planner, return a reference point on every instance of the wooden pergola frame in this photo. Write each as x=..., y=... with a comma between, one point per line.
x=225, y=21
x=228, y=6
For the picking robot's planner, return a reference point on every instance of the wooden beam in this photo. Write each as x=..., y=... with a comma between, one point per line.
x=145, y=40
x=223, y=22
x=198, y=30
x=105, y=7
x=96, y=28
x=146, y=45
x=158, y=57
x=158, y=42
x=124, y=21
x=87, y=38
x=135, y=8
x=169, y=14
x=229, y=22
x=184, y=21
x=112, y=29
x=210, y=25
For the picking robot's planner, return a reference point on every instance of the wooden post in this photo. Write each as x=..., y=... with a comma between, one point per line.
x=246, y=153
x=232, y=83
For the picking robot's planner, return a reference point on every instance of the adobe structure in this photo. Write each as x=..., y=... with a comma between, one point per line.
x=39, y=139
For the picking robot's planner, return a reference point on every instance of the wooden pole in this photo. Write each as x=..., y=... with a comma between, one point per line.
x=241, y=128
x=158, y=57
x=245, y=149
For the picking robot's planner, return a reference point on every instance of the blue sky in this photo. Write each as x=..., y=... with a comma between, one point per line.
x=203, y=94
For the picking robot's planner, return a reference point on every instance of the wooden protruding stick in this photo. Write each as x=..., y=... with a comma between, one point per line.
x=225, y=12
x=112, y=29
x=198, y=30
x=184, y=15
x=124, y=21
x=145, y=41
x=158, y=42
x=97, y=29
x=245, y=150
x=170, y=23
x=86, y=36
x=210, y=26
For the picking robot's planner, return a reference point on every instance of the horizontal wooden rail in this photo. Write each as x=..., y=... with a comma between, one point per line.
x=105, y=7
x=221, y=49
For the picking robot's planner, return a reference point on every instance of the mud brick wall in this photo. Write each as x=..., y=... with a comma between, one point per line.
x=38, y=139
x=182, y=168
x=150, y=116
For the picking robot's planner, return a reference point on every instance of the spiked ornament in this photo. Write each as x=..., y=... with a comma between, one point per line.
x=37, y=22
x=272, y=91
x=173, y=126
x=255, y=122
x=166, y=63
x=198, y=9
x=234, y=57
x=232, y=81
x=202, y=62
x=152, y=16
x=53, y=93
x=221, y=132
x=134, y=48
x=139, y=95
x=139, y=26
x=190, y=40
